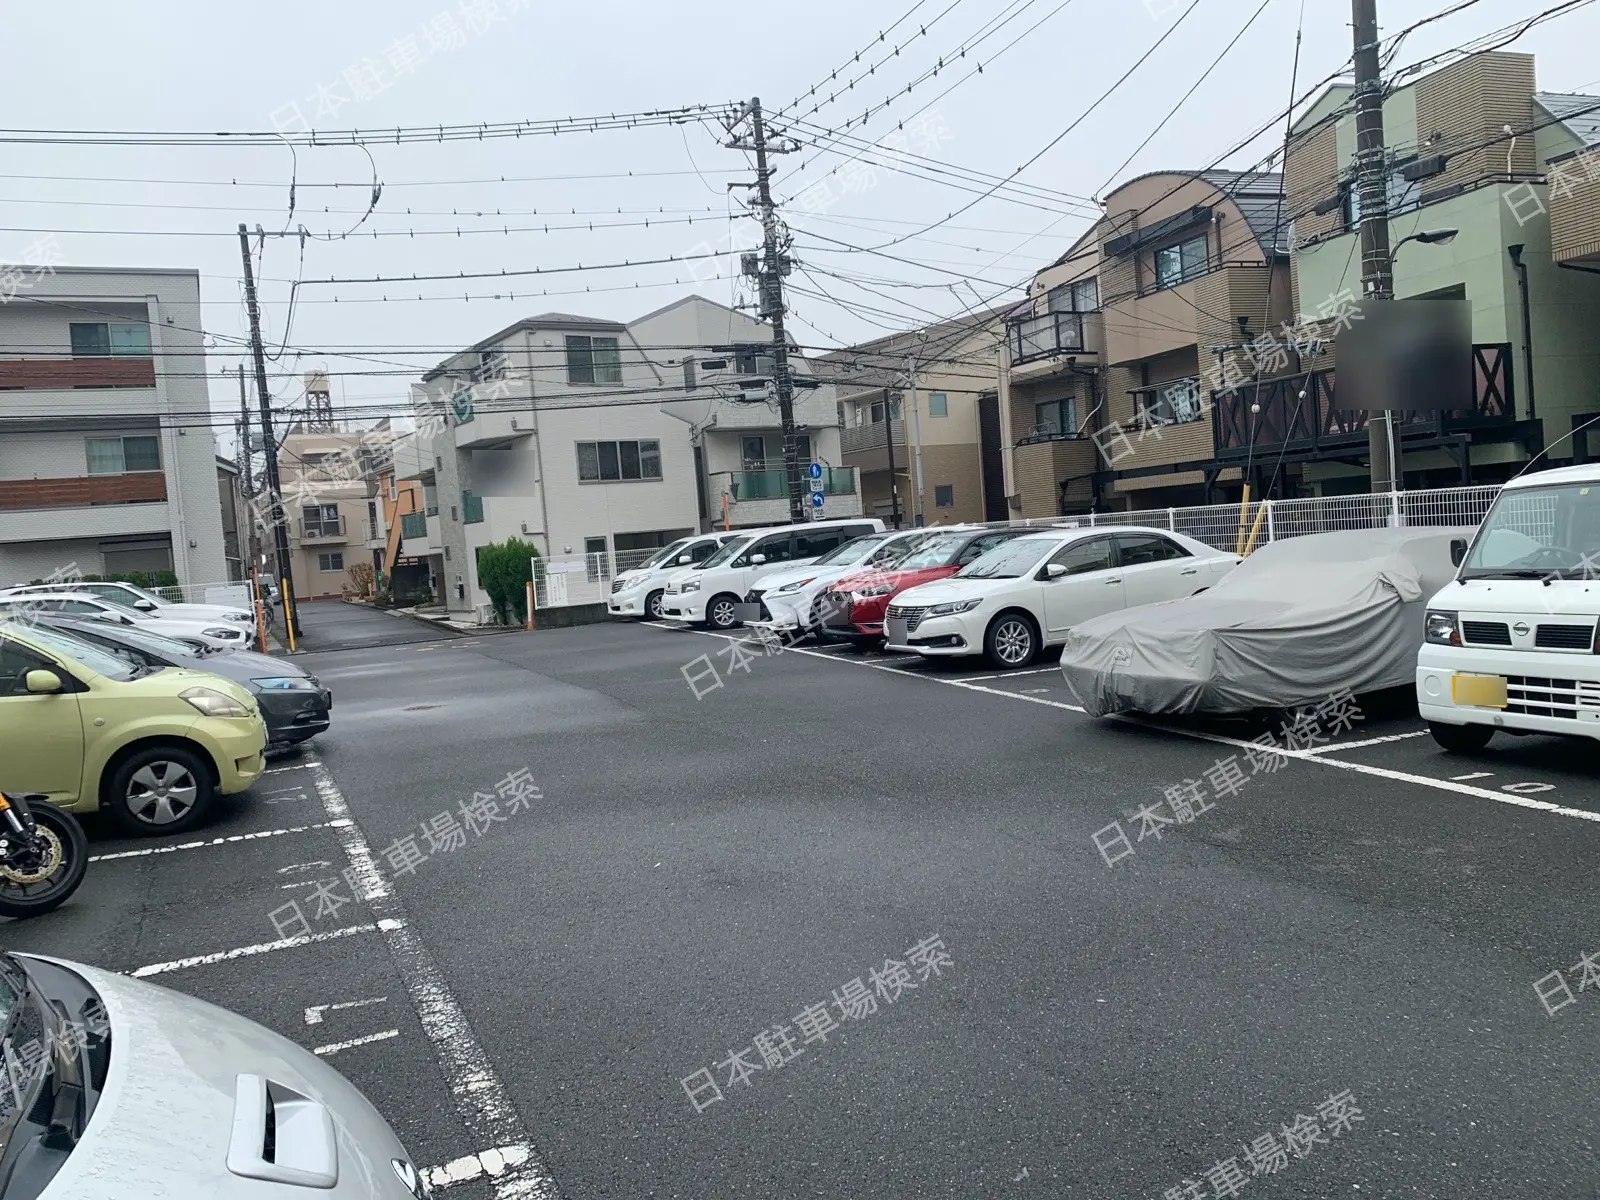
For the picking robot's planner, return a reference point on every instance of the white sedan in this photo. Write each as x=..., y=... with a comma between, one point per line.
x=1027, y=593
x=212, y=633
x=136, y=599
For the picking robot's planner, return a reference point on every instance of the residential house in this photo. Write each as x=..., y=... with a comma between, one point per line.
x=937, y=385
x=550, y=431
x=104, y=465
x=720, y=363
x=402, y=509
x=237, y=543
x=1534, y=310
x=330, y=499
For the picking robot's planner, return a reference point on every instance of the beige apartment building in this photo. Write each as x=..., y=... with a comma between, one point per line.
x=925, y=400
x=329, y=480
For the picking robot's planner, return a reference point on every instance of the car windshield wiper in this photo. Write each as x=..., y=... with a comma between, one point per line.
x=1508, y=573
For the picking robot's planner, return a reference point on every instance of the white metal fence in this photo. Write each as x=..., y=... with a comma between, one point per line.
x=1237, y=526
x=581, y=578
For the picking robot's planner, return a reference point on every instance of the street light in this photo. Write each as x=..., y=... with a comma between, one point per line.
x=1428, y=237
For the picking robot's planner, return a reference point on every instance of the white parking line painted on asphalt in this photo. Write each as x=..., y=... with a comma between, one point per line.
x=204, y=960
x=492, y=1163
x=221, y=841
x=298, y=766
x=1009, y=674
x=1375, y=741
x=480, y=1098
x=335, y=1047
x=1473, y=775
x=1448, y=785
x=315, y=1012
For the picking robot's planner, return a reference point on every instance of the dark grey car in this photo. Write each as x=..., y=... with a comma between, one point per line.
x=293, y=703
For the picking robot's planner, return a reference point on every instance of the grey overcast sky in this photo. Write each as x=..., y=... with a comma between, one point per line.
x=241, y=66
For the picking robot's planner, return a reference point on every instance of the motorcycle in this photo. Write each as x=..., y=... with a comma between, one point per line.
x=43, y=855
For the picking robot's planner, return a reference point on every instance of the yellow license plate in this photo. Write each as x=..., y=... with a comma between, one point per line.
x=1478, y=691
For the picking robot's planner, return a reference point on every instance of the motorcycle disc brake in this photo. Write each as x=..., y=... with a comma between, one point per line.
x=48, y=849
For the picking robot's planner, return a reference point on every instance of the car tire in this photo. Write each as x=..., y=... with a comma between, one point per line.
x=1011, y=641
x=160, y=789
x=1461, y=739
x=721, y=612
x=652, y=607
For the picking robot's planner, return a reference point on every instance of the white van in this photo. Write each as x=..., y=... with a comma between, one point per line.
x=637, y=592
x=1511, y=644
x=711, y=595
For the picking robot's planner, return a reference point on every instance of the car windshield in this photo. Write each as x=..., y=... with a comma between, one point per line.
x=851, y=552
x=662, y=555
x=153, y=643
x=728, y=551
x=1009, y=560
x=1539, y=533
x=938, y=551
x=98, y=659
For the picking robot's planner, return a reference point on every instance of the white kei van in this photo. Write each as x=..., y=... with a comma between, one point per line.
x=712, y=594
x=1512, y=645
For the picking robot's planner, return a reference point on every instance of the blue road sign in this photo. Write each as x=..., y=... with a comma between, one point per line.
x=816, y=499
x=815, y=470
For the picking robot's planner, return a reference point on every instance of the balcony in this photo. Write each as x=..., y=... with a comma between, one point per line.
x=471, y=509
x=1309, y=427
x=1045, y=335
x=143, y=487
x=45, y=374
x=773, y=485
x=321, y=532
x=866, y=439
x=414, y=525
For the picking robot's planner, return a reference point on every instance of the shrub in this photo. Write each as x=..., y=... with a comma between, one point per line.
x=360, y=580
x=504, y=570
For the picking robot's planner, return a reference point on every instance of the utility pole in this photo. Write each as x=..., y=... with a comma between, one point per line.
x=244, y=437
x=888, y=441
x=1372, y=193
x=774, y=266
x=916, y=443
x=280, y=530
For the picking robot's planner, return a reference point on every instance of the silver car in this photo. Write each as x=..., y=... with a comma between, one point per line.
x=114, y=1087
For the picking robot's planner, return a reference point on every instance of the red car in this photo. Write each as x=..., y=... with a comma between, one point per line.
x=852, y=610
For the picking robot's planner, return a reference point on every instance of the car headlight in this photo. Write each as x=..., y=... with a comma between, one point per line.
x=797, y=584
x=1442, y=629
x=954, y=606
x=286, y=683
x=875, y=589
x=213, y=703
x=239, y=616
x=692, y=585
x=217, y=631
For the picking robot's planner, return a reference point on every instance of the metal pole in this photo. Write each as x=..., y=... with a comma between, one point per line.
x=916, y=443
x=888, y=441
x=291, y=610
x=1372, y=191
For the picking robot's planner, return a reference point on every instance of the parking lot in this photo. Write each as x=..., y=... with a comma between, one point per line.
x=624, y=891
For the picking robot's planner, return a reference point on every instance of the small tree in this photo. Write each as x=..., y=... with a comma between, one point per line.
x=504, y=569
x=360, y=579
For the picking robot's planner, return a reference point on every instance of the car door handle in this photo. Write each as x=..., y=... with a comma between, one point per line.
x=1190, y=571
x=1117, y=580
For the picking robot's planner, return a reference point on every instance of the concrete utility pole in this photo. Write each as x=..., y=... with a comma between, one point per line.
x=1372, y=195
x=280, y=529
x=888, y=442
x=244, y=437
x=916, y=443
x=773, y=268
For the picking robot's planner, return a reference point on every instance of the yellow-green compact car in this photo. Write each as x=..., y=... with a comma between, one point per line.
x=91, y=730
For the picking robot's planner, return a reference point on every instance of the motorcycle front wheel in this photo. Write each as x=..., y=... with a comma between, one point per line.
x=37, y=878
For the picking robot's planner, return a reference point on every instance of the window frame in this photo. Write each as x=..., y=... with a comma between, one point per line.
x=1186, y=272
x=109, y=340
x=122, y=440
x=324, y=556
x=943, y=409
x=597, y=355
x=1171, y=544
x=645, y=451
x=948, y=490
x=1076, y=544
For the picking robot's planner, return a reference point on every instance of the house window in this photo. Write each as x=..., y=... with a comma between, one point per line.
x=1173, y=404
x=1081, y=297
x=877, y=409
x=1056, y=418
x=753, y=450
x=122, y=455
x=1185, y=261
x=114, y=339
x=593, y=359
x=754, y=358
x=321, y=520
x=461, y=405
x=331, y=562
x=603, y=462
x=938, y=404
x=1405, y=195
x=944, y=495
x=491, y=365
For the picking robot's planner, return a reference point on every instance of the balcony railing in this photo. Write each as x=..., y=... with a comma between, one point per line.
x=414, y=525
x=1045, y=335
x=48, y=373
x=322, y=531
x=471, y=509
x=772, y=485
x=871, y=437
x=144, y=487
x=1286, y=421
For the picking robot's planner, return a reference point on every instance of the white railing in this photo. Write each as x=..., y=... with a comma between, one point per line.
x=581, y=578
x=1236, y=526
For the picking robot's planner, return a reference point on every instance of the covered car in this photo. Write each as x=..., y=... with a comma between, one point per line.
x=1298, y=621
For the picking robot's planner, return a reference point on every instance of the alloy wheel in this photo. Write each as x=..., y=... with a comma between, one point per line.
x=1013, y=642
x=160, y=793
x=652, y=606
x=721, y=614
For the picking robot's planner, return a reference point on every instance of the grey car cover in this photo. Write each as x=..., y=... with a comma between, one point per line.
x=1296, y=622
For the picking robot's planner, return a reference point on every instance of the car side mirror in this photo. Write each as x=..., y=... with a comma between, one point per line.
x=42, y=683
x=684, y=560
x=757, y=559
x=144, y=605
x=1054, y=571
x=1458, y=551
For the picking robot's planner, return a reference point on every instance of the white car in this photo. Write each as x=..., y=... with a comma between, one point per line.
x=711, y=594
x=136, y=600
x=1026, y=594
x=210, y=632
x=790, y=599
x=1513, y=643
x=637, y=592
x=87, y=1053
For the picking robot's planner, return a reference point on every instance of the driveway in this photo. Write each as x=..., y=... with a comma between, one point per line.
x=335, y=625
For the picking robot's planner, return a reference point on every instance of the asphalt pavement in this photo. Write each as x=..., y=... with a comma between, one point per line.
x=603, y=937
x=335, y=625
